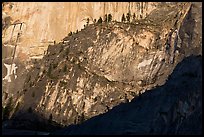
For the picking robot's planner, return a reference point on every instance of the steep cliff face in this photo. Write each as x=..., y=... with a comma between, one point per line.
x=29, y=27
x=106, y=64
x=43, y=23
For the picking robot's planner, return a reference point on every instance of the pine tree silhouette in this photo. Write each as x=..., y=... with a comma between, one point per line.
x=134, y=18
x=128, y=17
x=100, y=20
x=123, y=18
x=109, y=17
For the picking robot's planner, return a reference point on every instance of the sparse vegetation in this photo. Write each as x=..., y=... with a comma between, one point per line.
x=8, y=109
x=94, y=21
x=81, y=118
x=6, y=23
x=24, y=91
x=134, y=18
x=128, y=17
x=87, y=22
x=49, y=73
x=55, y=65
x=63, y=83
x=109, y=17
x=123, y=18
x=70, y=33
x=44, y=71
x=100, y=20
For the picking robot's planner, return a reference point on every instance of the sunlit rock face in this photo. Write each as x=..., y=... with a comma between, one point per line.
x=46, y=22
x=105, y=64
x=28, y=28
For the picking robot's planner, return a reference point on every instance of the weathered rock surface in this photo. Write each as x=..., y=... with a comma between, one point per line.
x=107, y=64
x=174, y=108
x=28, y=28
x=42, y=23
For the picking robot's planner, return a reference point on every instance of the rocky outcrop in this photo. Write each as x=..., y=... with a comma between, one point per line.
x=174, y=108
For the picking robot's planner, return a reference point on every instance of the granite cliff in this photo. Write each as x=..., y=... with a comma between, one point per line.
x=100, y=66
x=173, y=108
x=28, y=28
x=42, y=23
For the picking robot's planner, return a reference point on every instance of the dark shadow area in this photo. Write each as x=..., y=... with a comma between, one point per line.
x=174, y=108
x=30, y=122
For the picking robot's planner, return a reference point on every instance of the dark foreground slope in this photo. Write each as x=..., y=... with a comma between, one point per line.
x=174, y=108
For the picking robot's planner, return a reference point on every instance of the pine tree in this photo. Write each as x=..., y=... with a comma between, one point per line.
x=134, y=18
x=128, y=17
x=94, y=21
x=123, y=18
x=70, y=33
x=109, y=17
x=100, y=20
x=87, y=23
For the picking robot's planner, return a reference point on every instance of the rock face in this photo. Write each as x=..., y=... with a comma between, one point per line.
x=42, y=23
x=174, y=108
x=28, y=28
x=106, y=64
